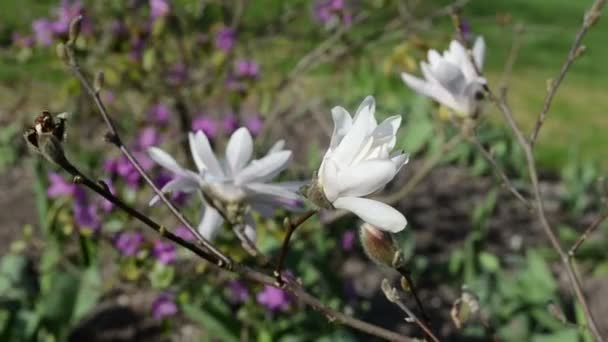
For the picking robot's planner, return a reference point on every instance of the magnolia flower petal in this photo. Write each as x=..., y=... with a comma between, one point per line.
x=184, y=184
x=460, y=58
x=386, y=132
x=449, y=76
x=479, y=52
x=278, y=146
x=328, y=177
x=263, y=169
x=210, y=224
x=363, y=124
x=399, y=160
x=433, y=57
x=239, y=150
x=163, y=159
x=435, y=92
x=381, y=215
x=200, y=164
x=203, y=150
x=272, y=190
x=342, y=123
x=365, y=178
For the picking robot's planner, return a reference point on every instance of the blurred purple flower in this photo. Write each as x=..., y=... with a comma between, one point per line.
x=348, y=240
x=177, y=75
x=164, y=252
x=184, y=233
x=230, y=123
x=148, y=137
x=22, y=41
x=137, y=48
x=225, y=39
x=159, y=8
x=118, y=28
x=128, y=243
x=465, y=29
x=273, y=298
x=326, y=11
x=247, y=68
x=206, y=124
x=160, y=113
x=67, y=12
x=85, y=213
x=238, y=291
x=107, y=97
x=164, y=306
x=59, y=186
x=254, y=123
x=43, y=31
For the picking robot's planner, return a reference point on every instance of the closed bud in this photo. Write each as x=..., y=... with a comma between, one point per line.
x=75, y=26
x=46, y=137
x=465, y=309
x=378, y=245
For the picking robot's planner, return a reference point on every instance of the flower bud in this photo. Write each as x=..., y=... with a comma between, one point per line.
x=314, y=193
x=74, y=32
x=378, y=245
x=465, y=309
x=46, y=137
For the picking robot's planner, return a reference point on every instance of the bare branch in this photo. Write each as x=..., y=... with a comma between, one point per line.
x=592, y=227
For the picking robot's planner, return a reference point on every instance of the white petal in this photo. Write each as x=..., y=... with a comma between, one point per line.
x=381, y=215
x=462, y=60
x=386, y=132
x=263, y=169
x=433, y=57
x=342, y=124
x=272, y=190
x=436, y=92
x=365, y=178
x=210, y=224
x=328, y=176
x=278, y=146
x=479, y=52
x=450, y=77
x=165, y=160
x=203, y=149
x=400, y=160
x=200, y=165
x=363, y=124
x=184, y=184
x=239, y=150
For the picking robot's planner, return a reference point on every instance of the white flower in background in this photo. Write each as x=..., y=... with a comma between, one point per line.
x=234, y=182
x=359, y=162
x=451, y=79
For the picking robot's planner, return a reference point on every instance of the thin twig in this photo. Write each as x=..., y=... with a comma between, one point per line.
x=589, y=20
x=592, y=227
x=392, y=295
x=513, y=53
x=115, y=139
x=246, y=272
x=291, y=227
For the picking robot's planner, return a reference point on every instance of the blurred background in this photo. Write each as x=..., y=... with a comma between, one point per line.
x=73, y=267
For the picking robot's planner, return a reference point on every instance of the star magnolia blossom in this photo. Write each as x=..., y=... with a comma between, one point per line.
x=359, y=162
x=237, y=180
x=451, y=78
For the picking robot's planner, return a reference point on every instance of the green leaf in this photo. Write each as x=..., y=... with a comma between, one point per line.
x=215, y=324
x=565, y=335
x=161, y=276
x=489, y=262
x=88, y=294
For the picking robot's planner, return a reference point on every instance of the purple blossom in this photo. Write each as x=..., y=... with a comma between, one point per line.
x=247, y=68
x=85, y=213
x=23, y=41
x=348, y=240
x=43, y=31
x=230, y=123
x=330, y=11
x=273, y=298
x=106, y=205
x=128, y=243
x=160, y=113
x=66, y=12
x=178, y=74
x=164, y=306
x=164, y=252
x=465, y=29
x=225, y=39
x=159, y=8
x=206, y=124
x=254, y=123
x=238, y=292
x=148, y=137
x=59, y=186
x=184, y=233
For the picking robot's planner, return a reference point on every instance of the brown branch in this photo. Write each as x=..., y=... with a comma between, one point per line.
x=590, y=19
x=114, y=137
x=291, y=227
x=592, y=227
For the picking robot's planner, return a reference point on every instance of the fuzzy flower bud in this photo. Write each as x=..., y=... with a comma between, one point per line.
x=378, y=245
x=465, y=309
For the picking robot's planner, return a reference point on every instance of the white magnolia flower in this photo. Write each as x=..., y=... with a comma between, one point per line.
x=451, y=79
x=235, y=181
x=359, y=162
